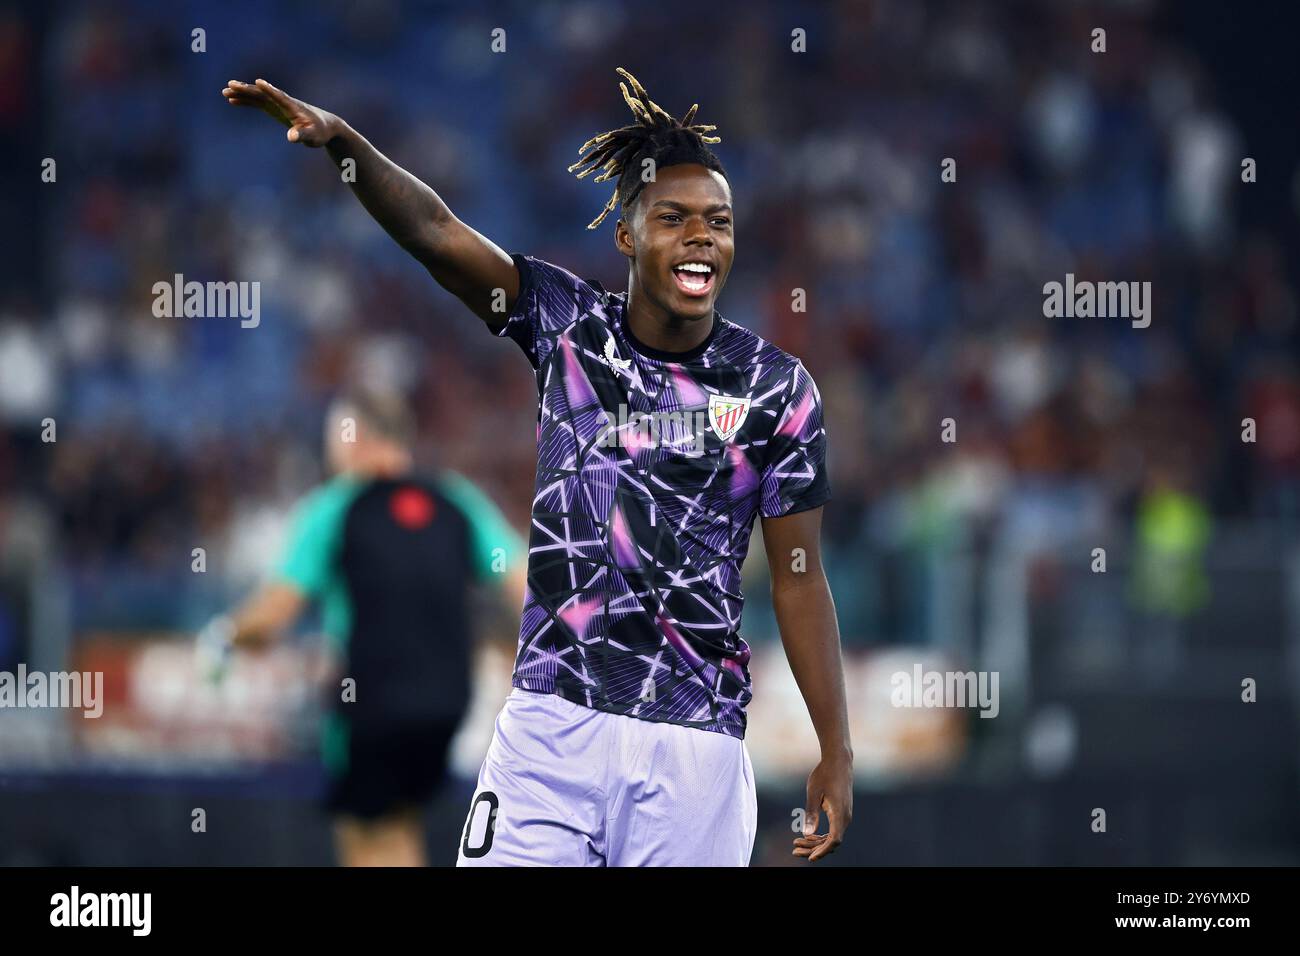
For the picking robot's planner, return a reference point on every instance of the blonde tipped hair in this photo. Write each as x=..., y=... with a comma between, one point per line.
x=655, y=135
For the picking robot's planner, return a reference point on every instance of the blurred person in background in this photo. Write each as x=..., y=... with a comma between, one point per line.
x=390, y=557
x=1172, y=533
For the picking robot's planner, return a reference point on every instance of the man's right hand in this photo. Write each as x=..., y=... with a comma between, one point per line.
x=307, y=124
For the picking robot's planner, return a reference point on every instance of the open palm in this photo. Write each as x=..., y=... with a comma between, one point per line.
x=307, y=124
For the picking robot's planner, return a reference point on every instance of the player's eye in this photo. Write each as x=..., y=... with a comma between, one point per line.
x=721, y=221
x=671, y=215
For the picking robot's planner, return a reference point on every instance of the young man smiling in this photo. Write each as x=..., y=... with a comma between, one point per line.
x=622, y=743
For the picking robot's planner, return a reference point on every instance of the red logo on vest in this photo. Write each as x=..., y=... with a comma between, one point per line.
x=411, y=507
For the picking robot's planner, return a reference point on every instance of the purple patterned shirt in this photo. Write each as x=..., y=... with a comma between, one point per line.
x=650, y=469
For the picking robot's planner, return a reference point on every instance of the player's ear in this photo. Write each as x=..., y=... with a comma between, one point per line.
x=623, y=238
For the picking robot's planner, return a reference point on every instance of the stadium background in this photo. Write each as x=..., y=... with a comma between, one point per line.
x=1118, y=690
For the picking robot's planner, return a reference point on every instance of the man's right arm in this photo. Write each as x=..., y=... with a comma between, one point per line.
x=464, y=262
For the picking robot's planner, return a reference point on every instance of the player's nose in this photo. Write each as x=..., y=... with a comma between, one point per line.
x=697, y=234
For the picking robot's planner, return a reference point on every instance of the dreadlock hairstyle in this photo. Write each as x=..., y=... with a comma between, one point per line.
x=655, y=135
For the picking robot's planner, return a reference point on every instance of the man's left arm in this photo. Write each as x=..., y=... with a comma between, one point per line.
x=805, y=614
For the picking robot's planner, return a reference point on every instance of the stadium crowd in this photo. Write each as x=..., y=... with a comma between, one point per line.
x=924, y=297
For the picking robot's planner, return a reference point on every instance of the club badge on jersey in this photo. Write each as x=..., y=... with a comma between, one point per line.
x=727, y=414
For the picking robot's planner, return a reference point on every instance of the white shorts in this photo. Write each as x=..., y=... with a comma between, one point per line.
x=565, y=785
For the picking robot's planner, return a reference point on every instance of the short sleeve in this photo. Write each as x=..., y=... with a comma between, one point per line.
x=795, y=478
x=550, y=299
x=488, y=529
x=314, y=535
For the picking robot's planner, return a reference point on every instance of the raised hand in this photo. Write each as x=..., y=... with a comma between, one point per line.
x=463, y=261
x=307, y=124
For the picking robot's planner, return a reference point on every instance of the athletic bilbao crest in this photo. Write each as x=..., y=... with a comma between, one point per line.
x=726, y=415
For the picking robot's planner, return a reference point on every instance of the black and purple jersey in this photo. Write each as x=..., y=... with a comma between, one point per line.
x=651, y=467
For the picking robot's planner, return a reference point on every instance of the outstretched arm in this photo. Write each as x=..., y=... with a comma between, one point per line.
x=465, y=263
x=257, y=622
x=805, y=614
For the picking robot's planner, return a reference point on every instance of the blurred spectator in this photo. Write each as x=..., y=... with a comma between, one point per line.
x=924, y=296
